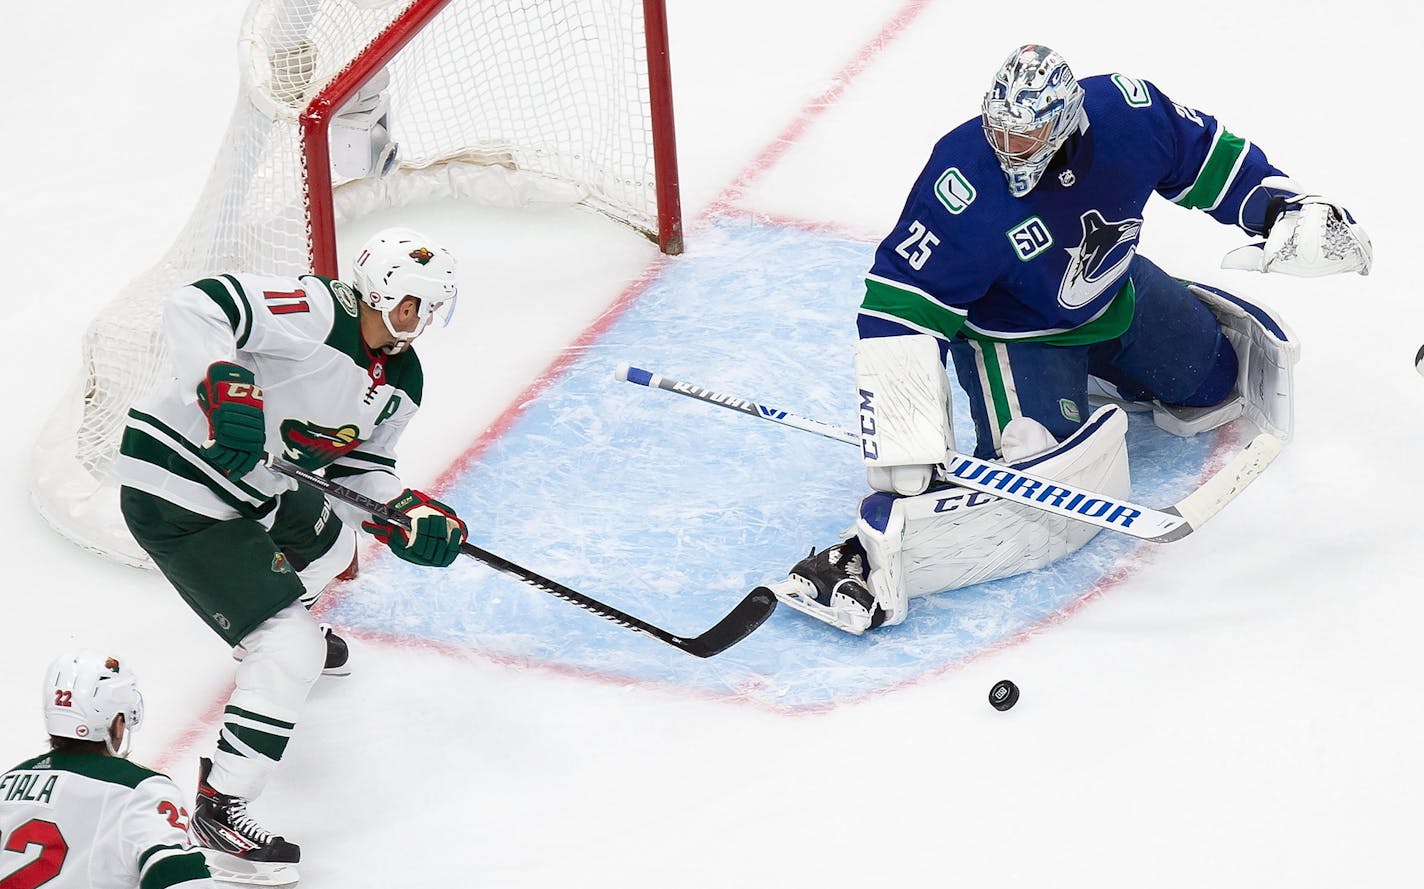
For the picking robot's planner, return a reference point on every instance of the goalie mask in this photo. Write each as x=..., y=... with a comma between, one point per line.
x=397, y=263
x=84, y=691
x=1033, y=107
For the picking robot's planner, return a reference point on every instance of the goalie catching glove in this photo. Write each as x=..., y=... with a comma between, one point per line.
x=435, y=531
x=1306, y=236
x=237, y=429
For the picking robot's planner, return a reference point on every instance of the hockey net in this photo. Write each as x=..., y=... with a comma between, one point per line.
x=561, y=101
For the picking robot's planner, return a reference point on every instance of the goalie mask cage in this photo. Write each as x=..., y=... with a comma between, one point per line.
x=560, y=101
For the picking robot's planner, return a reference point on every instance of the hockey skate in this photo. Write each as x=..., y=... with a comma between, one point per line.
x=830, y=586
x=236, y=847
x=338, y=653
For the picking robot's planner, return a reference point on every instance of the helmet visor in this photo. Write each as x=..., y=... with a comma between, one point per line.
x=438, y=310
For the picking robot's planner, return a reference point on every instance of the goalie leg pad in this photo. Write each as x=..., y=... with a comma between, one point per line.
x=1266, y=354
x=1267, y=351
x=955, y=537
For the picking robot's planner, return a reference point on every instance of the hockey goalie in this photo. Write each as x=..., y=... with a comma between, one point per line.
x=1015, y=262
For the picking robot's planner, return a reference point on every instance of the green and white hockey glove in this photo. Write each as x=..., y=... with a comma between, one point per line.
x=237, y=429
x=435, y=531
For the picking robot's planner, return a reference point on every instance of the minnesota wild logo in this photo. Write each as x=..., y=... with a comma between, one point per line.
x=311, y=446
x=345, y=297
x=422, y=255
x=280, y=565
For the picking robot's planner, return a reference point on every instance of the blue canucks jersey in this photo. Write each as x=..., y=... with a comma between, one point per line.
x=1052, y=266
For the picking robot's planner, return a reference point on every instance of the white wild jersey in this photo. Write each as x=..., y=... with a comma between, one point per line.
x=87, y=821
x=328, y=399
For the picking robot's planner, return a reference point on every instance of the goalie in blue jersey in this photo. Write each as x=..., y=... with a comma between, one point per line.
x=1015, y=260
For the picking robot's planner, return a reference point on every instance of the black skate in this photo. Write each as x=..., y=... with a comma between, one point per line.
x=830, y=586
x=337, y=654
x=236, y=847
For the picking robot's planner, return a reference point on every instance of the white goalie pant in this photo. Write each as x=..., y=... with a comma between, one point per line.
x=955, y=537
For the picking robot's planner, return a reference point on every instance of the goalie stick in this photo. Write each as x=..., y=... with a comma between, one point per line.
x=1080, y=504
x=749, y=613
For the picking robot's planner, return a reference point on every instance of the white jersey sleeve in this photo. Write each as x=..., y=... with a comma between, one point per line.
x=151, y=829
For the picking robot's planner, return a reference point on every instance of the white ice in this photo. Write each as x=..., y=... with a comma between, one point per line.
x=1241, y=712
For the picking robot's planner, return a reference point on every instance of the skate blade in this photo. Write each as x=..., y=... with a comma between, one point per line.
x=793, y=595
x=227, y=868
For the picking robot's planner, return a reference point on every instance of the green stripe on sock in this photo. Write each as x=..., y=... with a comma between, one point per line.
x=998, y=392
x=268, y=745
x=258, y=717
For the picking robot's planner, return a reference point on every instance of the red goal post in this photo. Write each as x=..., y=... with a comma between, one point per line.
x=555, y=102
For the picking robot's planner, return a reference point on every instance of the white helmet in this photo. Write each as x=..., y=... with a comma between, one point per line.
x=1034, y=105
x=84, y=691
x=397, y=263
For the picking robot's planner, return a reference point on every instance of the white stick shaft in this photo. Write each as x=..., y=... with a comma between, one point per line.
x=1079, y=504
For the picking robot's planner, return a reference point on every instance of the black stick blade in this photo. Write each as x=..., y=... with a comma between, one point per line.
x=739, y=623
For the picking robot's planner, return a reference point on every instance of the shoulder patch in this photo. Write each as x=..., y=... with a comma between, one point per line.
x=345, y=297
x=1133, y=90
x=1030, y=238
x=954, y=191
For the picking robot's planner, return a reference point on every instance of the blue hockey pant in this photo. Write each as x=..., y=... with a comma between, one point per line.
x=1173, y=351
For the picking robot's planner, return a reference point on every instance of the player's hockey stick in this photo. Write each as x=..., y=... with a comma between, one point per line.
x=1080, y=504
x=749, y=614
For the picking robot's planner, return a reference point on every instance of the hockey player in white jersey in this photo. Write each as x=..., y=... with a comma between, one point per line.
x=323, y=374
x=82, y=816
x=1015, y=259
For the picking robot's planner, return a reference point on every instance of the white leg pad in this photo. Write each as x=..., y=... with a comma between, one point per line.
x=1266, y=354
x=955, y=537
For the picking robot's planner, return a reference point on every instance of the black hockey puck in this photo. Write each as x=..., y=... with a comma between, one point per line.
x=1003, y=695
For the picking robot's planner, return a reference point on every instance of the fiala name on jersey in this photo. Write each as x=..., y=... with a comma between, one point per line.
x=30, y=787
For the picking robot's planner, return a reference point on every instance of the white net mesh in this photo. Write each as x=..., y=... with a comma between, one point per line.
x=499, y=102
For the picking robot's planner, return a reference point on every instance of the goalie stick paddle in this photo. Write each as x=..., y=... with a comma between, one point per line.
x=749, y=613
x=1073, y=502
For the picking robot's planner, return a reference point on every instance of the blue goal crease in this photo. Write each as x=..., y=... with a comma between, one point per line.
x=672, y=510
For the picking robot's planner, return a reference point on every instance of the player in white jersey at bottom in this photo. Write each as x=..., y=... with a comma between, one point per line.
x=322, y=373
x=1016, y=257
x=82, y=816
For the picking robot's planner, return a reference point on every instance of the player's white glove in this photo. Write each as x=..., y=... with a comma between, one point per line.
x=1306, y=236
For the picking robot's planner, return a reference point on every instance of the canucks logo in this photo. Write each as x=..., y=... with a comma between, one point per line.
x=422, y=255
x=1099, y=260
x=312, y=446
